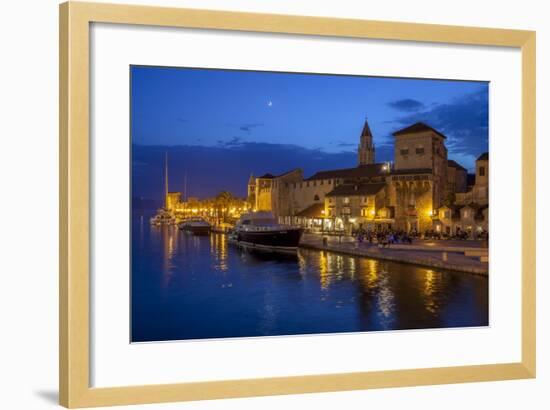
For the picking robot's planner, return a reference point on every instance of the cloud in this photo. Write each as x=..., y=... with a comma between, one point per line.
x=407, y=105
x=233, y=142
x=344, y=144
x=248, y=127
x=465, y=122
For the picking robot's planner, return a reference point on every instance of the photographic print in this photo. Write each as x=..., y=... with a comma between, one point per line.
x=275, y=204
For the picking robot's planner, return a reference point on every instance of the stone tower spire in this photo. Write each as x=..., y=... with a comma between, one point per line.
x=366, y=146
x=251, y=190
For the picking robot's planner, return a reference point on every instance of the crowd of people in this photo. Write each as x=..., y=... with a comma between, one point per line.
x=383, y=238
x=459, y=234
x=387, y=237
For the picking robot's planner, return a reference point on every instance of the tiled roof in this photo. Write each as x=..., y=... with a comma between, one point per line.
x=362, y=171
x=417, y=127
x=455, y=164
x=313, y=211
x=477, y=208
x=356, y=190
x=271, y=176
x=411, y=171
x=483, y=157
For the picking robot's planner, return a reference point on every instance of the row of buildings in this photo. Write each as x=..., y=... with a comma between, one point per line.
x=420, y=190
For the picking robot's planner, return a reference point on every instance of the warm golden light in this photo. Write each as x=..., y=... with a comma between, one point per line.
x=323, y=270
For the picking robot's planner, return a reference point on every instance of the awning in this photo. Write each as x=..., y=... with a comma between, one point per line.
x=313, y=211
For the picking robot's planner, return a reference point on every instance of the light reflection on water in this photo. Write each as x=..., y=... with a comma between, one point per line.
x=189, y=287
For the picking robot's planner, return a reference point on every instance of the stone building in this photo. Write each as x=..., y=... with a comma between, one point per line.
x=365, y=150
x=479, y=192
x=457, y=177
x=354, y=204
x=470, y=211
x=272, y=192
x=405, y=195
x=419, y=177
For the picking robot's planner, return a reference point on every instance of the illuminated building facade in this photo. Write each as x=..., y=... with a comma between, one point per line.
x=404, y=195
x=469, y=212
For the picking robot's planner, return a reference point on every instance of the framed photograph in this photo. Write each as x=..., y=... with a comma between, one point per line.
x=257, y=204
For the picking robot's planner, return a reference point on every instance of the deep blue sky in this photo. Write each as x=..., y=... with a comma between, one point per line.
x=201, y=114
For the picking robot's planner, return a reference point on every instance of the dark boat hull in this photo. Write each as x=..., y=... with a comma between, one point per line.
x=197, y=230
x=287, y=238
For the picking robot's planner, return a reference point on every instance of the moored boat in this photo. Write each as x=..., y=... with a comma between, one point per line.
x=163, y=217
x=260, y=230
x=196, y=226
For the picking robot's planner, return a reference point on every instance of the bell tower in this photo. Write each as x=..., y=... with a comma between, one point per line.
x=366, y=146
x=251, y=198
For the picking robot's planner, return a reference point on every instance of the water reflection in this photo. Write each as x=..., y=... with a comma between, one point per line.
x=188, y=287
x=323, y=269
x=218, y=251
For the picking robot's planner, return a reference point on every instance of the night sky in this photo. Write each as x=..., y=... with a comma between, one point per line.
x=218, y=126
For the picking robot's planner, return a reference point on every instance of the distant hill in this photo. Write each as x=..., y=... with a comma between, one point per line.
x=213, y=169
x=145, y=204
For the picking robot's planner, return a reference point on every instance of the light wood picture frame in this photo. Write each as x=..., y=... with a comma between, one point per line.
x=74, y=282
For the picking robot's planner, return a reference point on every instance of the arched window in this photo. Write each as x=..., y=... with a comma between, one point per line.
x=316, y=198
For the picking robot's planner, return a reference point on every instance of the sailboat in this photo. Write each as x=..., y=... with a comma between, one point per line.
x=164, y=216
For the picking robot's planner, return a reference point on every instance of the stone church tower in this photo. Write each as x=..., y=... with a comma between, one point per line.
x=251, y=197
x=366, y=146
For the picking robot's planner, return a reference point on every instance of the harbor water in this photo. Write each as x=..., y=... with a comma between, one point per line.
x=202, y=287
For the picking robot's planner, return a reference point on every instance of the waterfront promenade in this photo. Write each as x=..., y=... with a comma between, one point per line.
x=463, y=256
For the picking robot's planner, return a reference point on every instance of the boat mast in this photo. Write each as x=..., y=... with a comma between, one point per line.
x=185, y=187
x=166, y=180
